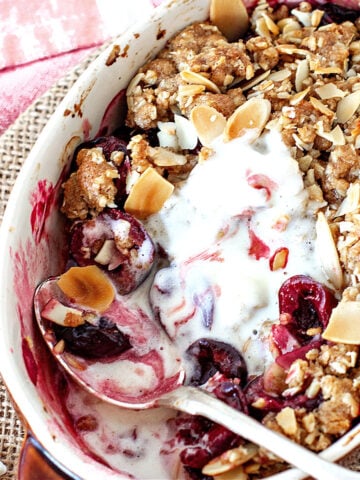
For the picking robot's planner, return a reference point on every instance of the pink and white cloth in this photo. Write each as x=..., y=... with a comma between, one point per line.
x=42, y=39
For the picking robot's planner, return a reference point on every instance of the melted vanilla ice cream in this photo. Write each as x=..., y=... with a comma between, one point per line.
x=221, y=230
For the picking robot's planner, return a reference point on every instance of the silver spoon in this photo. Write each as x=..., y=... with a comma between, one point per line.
x=171, y=393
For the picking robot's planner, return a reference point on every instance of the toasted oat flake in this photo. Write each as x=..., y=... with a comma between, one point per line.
x=286, y=419
x=318, y=105
x=302, y=74
x=280, y=75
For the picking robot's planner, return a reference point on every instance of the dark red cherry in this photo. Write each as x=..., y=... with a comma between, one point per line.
x=93, y=341
x=116, y=242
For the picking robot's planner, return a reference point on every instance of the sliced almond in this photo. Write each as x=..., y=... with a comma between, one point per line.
x=61, y=314
x=289, y=49
x=87, y=286
x=327, y=252
x=230, y=459
x=190, y=90
x=251, y=116
x=344, y=324
x=318, y=105
x=347, y=106
x=106, y=252
x=262, y=29
x=255, y=81
x=231, y=18
x=280, y=75
x=148, y=194
x=336, y=136
x=302, y=73
x=167, y=135
x=329, y=90
x=351, y=202
x=303, y=17
x=198, y=79
x=316, y=17
x=298, y=97
x=208, y=122
x=186, y=133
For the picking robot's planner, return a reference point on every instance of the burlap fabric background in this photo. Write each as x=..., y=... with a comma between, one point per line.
x=15, y=145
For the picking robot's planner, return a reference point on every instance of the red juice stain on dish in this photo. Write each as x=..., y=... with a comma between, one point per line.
x=42, y=199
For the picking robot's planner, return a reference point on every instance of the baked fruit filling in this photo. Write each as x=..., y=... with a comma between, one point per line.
x=230, y=200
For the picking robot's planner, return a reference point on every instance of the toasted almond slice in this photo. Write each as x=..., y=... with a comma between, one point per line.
x=186, y=133
x=271, y=25
x=336, y=136
x=230, y=459
x=344, y=324
x=329, y=90
x=148, y=194
x=251, y=116
x=347, y=106
x=87, y=286
x=190, y=90
x=208, y=122
x=291, y=50
x=231, y=18
x=318, y=105
x=298, y=97
x=327, y=252
x=106, y=252
x=280, y=75
x=262, y=29
x=302, y=73
x=198, y=79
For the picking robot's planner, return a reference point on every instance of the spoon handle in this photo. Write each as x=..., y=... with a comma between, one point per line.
x=198, y=402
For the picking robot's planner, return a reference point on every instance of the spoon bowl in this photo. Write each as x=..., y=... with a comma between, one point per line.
x=155, y=376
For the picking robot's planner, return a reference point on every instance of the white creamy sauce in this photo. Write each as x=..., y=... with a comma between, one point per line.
x=218, y=284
